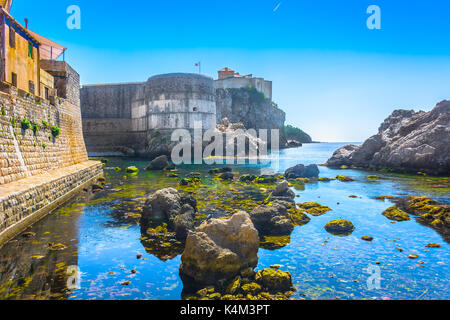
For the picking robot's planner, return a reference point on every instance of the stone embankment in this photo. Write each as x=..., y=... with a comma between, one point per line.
x=43, y=158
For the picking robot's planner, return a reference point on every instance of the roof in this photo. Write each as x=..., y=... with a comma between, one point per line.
x=6, y=4
x=22, y=29
x=226, y=69
x=48, y=50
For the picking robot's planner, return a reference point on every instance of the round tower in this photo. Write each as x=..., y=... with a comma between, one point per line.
x=175, y=101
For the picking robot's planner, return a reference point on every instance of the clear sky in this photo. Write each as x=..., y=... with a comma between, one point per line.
x=335, y=78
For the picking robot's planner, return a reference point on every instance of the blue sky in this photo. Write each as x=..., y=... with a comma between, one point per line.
x=335, y=78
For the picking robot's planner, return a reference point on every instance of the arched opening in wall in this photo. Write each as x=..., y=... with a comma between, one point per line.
x=195, y=109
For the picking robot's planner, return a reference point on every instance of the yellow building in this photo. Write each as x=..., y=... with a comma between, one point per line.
x=21, y=51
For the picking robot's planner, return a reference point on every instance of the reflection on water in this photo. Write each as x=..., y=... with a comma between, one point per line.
x=103, y=239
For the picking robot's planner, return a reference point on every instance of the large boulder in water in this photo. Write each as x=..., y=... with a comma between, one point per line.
x=406, y=141
x=272, y=220
x=219, y=249
x=168, y=205
x=302, y=171
x=159, y=163
x=282, y=192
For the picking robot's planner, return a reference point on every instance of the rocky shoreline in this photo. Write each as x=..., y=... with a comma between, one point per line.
x=220, y=251
x=406, y=142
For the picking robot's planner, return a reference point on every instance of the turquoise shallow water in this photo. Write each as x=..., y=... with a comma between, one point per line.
x=103, y=245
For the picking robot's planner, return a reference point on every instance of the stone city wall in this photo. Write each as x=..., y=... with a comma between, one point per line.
x=25, y=153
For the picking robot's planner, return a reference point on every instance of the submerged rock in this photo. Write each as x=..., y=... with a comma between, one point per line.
x=275, y=242
x=274, y=280
x=431, y=213
x=226, y=176
x=220, y=170
x=300, y=171
x=266, y=179
x=406, y=141
x=272, y=220
x=220, y=249
x=343, y=178
x=394, y=213
x=313, y=208
x=340, y=227
x=247, y=178
x=131, y=170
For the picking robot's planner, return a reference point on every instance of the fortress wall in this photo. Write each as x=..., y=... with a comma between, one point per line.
x=39, y=172
x=106, y=112
x=24, y=153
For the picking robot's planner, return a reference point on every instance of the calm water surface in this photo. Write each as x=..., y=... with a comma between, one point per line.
x=102, y=242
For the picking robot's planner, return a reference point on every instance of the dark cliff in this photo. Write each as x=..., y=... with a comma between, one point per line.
x=251, y=108
x=407, y=141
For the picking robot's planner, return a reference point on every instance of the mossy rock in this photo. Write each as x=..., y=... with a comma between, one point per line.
x=343, y=178
x=247, y=178
x=234, y=286
x=394, y=213
x=325, y=179
x=274, y=280
x=298, y=218
x=274, y=242
x=340, y=227
x=161, y=229
x=251, y=288
x=433, y=245
x=313, y=208
x=190, y=181
x=132, y=169
x=173, y=175
x=266, y=180
x=373, y=177
x=383, y=198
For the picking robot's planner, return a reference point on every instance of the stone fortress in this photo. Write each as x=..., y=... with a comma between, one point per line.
x=43, y=158
x=137, y=118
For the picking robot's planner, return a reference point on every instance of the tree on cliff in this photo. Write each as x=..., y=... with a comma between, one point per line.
x=293, y=133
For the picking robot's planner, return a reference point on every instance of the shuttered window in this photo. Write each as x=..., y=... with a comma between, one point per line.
x=12, y=37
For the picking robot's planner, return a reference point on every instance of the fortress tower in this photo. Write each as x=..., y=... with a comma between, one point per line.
x=174, y=101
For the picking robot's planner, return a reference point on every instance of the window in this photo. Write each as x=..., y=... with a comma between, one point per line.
x=14, y=79
x=30, y=50
x=31, y=86
x=12, y=37
x=47, y=95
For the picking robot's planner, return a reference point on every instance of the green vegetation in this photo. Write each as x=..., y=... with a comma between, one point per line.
x=56, y=131
x=26, y=124
x=293, y=133
x=45, y=124
x=254, y=96
x=44, y=145
x=35, y=128
x=3, y=111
